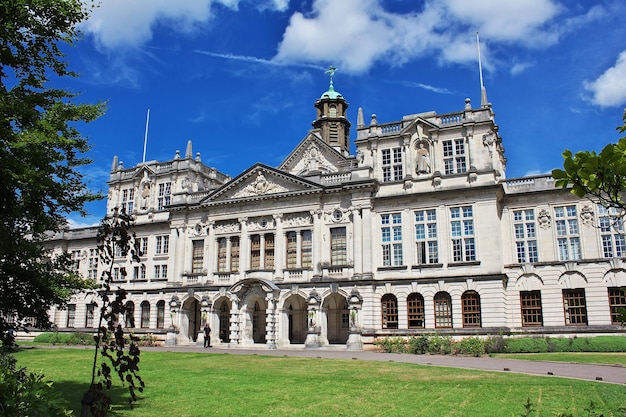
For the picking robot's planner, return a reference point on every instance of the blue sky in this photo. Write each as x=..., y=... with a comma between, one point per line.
x=239, y=77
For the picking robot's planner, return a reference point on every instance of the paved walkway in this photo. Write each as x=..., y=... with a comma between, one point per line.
x=615, y=374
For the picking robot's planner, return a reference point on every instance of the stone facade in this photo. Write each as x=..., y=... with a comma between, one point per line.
x=417, y=232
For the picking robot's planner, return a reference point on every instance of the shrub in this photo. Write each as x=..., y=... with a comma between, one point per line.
x=56, y=338
x=527, y=345
x=469, y=346
x=495, y=344
x=392, y=344
x=440, y=345
x=27, y=394
x=418, y=345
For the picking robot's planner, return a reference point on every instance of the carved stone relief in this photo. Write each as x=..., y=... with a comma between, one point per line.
x=260, y=186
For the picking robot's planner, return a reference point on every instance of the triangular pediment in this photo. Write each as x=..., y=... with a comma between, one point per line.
x=312, y=156
x=260, y=182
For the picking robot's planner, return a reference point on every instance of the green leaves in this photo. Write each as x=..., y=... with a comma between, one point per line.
x=599, y=176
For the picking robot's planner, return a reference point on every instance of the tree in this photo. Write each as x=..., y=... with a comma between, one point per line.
x=116, y=241
x=41, y=151
x=600, y=177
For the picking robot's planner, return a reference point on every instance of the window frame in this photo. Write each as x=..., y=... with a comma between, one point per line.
x=389, y=311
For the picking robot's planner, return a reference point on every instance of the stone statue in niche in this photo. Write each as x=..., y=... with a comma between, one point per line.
x=145, y=191
x=185, y=184
x=423, y=159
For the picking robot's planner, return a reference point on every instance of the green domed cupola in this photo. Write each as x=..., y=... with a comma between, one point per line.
x=331, y=117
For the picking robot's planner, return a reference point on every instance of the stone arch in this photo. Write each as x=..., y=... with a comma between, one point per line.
x=294, y=318
x=335, y=307
x=222, y=307
x=529, y=282
x=572, y=280
x=615, y=278
x=191, y=316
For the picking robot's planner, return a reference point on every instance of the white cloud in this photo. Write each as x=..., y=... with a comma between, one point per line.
x=355, y=34
x=122, y=23
x=609, y=89
x=520, y=67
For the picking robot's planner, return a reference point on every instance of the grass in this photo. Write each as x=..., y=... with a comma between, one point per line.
x=577, y=357
x=204, y=384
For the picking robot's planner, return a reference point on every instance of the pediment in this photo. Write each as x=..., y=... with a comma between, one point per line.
x=313, y=155
x=259, y=182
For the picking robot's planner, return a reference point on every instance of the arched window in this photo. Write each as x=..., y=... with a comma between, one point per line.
x=443, y=310
x=129, y=317
x=389, y=304
x=160, y=314
x=415, y=310
x=145, y=314
x=470, y=300
x=332, y=111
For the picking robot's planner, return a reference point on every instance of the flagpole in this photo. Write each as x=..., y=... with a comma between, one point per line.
x=145, y=138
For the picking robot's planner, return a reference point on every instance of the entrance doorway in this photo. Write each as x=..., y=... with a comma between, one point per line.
x=295, y=307
x=258, y=323
x=337, y=316
x=223, y=308
x=191, y=308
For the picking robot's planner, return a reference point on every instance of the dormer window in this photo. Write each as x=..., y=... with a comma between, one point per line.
x=332, y=111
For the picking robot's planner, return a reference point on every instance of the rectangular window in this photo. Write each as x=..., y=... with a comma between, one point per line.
x=567, y=236
x=462, y=232
x=71, y=315
x=611, y=228
x=575, y=307
x=160, y=271
x=143, y=246
x=75, y=254
x=269, y=251
x=161, y=314
x=292, y=250
x=222, y=254
x=530, y=303
x=92, y=272
x=165, y=191
x=145, y=315
x=142, y=272
x=128, y=199
x=234, y=254
x=391, y=236
x=454, y=157
x=89, y=315
x=338, y=248
x=162, y=245
x=525, y=236
x=426, y=237
x=255, y=252
x=617, y=304
x=197, y=257
x=392, y=164
x=306, y=249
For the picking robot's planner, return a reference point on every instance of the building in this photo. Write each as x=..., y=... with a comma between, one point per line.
x=417, y=232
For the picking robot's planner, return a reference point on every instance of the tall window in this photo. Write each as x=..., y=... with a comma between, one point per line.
x=269, y=251
x=470, y=302
x=391, y=236
x=338, y=248
x=389, y=304
x=89, y=315
x=292, y=249
x=129, y=317
x=617, y=303
x=71, y=315
x=197, y=257
x=575, y=307
x=143, y=246
x=567, y=234
x=426, y=237
x=415, y=310
x=160, y=271
x=462, y=231
x=443, y=310
x=525, y=236
x=255, y=252
x=160, y=314
x=611, y=232
x=145, y=314
x=222, y=254
x=128, y=199
x=530, y=303
x=392, y=164
x=162, y=245
x=92, y=272
x=142, y=271
x=75, y=260
x=234, y=254
x=165, y=191
x=454, y=158
x=306, y=249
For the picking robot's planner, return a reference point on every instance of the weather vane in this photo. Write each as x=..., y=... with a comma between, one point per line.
x=331, y=71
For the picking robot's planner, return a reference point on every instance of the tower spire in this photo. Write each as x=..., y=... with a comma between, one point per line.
x=483, y=91
x=331, y=71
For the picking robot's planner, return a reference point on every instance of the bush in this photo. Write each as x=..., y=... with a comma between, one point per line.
x=418, y=345
x=495, y=344
x=56, y=338
x=469, y=346
x=26, y=394
x=392, y=344
x=440, y=345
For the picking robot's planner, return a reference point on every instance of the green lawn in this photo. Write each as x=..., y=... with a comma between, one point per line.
x=203, y=384
x=578, y=357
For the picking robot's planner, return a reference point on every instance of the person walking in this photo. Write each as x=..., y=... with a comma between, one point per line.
x=207, y=335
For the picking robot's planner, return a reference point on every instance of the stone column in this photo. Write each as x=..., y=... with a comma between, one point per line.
x=235, y=326
x=313, y=329
x=271, y=334
x=172, y=331
x=355, y=304
x=317, y=244
x=367, y=242
x=357, y=224
x=279, y=245
x=212, y=252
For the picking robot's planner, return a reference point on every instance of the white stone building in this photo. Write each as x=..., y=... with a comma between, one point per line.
x=418, y=232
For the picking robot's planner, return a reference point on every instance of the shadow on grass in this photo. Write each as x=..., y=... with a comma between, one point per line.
x=73, y=393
